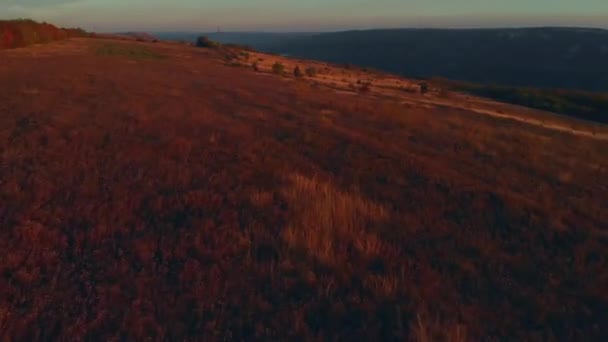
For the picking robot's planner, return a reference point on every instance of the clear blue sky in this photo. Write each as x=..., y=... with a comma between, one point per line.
x=306, y=15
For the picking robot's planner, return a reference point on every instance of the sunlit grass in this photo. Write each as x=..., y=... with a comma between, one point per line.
x=327, y=221
x=129, y=51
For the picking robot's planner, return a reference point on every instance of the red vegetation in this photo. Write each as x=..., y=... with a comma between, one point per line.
x=181, y=199
x=19, y=33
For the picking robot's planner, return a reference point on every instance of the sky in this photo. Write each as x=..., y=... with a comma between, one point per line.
x=305, y=15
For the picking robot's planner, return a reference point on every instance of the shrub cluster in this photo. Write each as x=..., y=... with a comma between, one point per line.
x=278, y=68
x=205, y=42
x=24, y=32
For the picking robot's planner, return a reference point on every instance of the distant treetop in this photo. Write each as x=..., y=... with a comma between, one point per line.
x=23, y=32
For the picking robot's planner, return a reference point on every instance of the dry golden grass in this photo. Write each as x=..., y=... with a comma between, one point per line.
x=326, y=222
x=429, y=330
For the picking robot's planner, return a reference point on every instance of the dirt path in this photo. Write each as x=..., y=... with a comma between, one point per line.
x=527, y=120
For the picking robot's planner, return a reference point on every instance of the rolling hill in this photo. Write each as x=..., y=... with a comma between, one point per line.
x=569, y=58
x=165, y=192
x=259, y=40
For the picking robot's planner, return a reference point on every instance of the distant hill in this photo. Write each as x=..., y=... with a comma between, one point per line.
x=140, y=36
x=258, y=40
x=572, y=58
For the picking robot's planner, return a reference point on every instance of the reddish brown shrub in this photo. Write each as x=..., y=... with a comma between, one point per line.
x=18, y=33
x=7, y=38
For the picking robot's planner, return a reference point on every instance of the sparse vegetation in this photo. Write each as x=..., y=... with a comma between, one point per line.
x=410, y=89
x=365, y=87
x=229, y=55
x=311, y=72
x=136, y=52
x=278, y=68
x=297, y=72
x=235, y=63
x=424, y=87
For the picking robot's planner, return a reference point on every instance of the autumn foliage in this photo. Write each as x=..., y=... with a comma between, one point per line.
x=24, y=32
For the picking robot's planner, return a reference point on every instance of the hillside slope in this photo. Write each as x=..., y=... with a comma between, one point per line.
x=163, y=191
x=538, y=57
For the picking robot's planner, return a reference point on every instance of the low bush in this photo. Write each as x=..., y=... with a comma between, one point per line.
x=424, y=87
x=365, y=87
x=204, y=42
x=278, y=68
x=297, y=72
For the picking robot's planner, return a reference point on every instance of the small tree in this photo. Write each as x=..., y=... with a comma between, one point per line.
x=297, y=72
x=278, y=68
x=204, y=42
x=424, y=88
x=255, y=66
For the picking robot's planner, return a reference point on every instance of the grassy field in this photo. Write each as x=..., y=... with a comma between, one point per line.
x=129, y=51
x=185, y=199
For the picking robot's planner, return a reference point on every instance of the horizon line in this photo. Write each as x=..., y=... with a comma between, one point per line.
x=523, y=27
